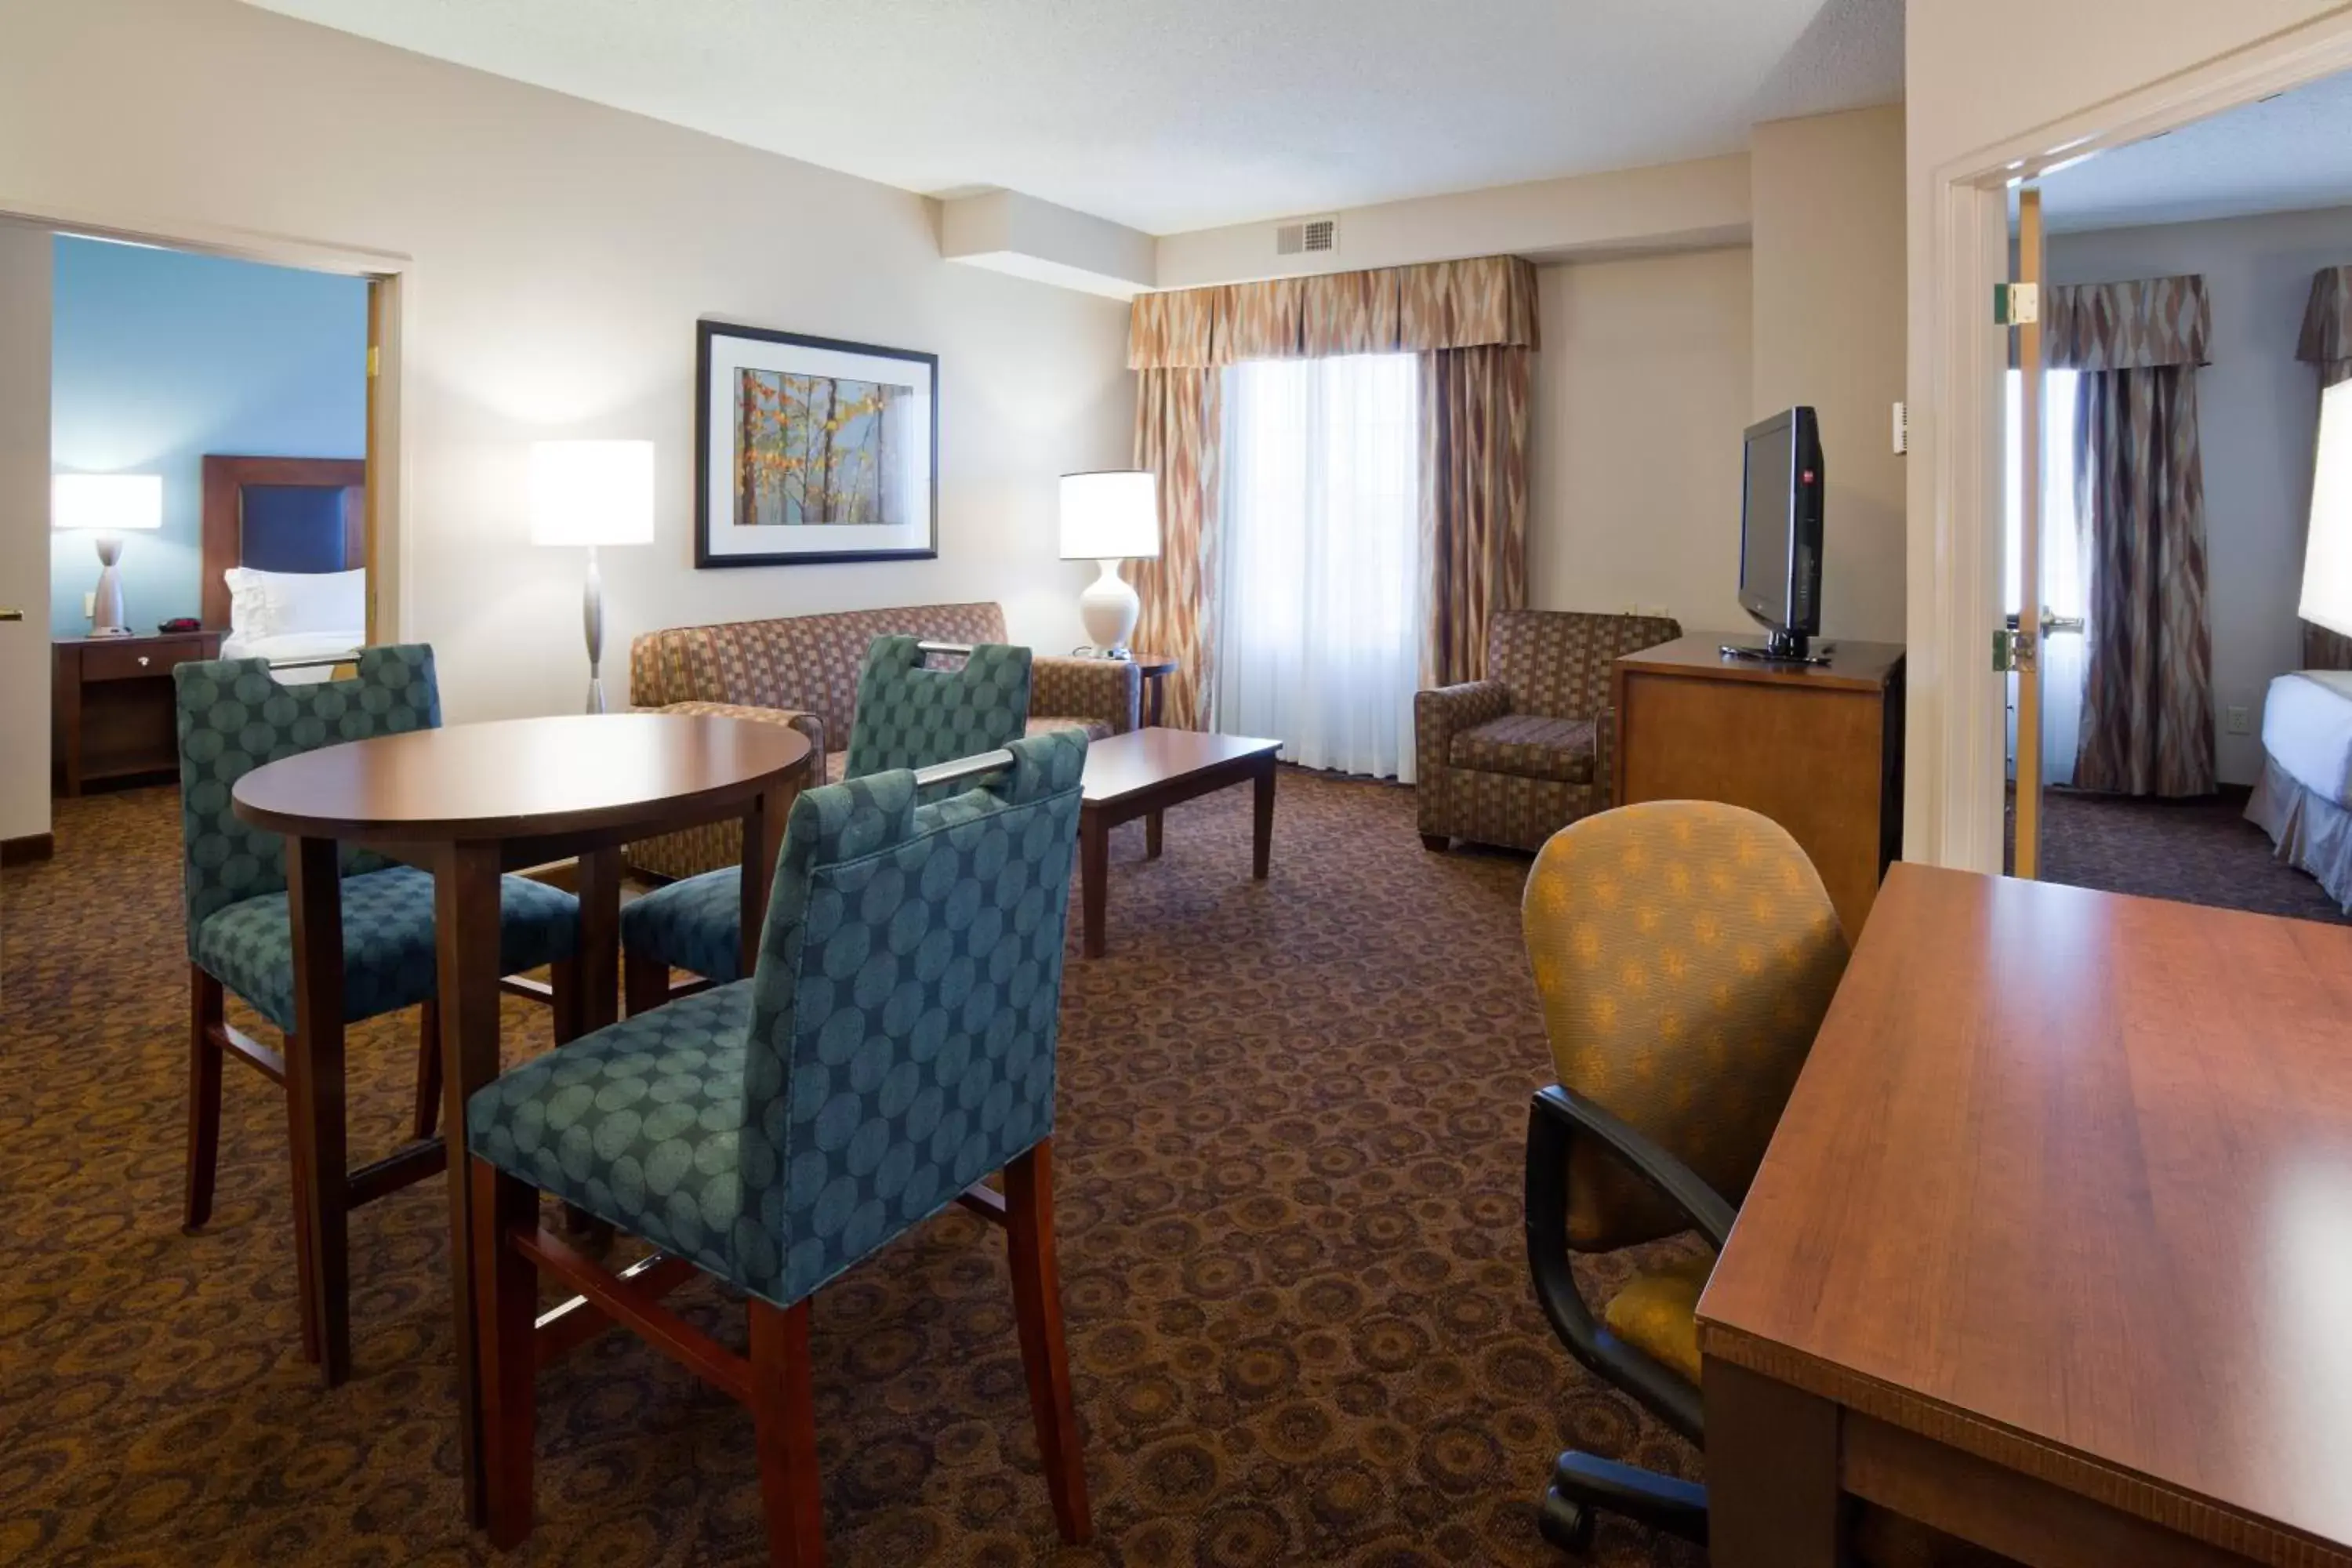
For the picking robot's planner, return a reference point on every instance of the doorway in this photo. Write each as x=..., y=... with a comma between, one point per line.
x=2180, y=351
x=115, y=392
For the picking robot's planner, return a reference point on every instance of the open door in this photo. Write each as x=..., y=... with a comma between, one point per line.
x=2025, y=629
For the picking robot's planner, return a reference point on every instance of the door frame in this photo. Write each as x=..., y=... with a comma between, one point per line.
x=392, y=286
x=1956, y=782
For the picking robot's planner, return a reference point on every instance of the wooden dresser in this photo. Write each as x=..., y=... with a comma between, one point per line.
x=1817, y=748
x=112, y=714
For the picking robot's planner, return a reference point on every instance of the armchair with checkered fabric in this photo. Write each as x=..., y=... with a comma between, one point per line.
x=1514, y=758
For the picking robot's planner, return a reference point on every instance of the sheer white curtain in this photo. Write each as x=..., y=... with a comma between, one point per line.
x=2065, y=573
x=1318, y=594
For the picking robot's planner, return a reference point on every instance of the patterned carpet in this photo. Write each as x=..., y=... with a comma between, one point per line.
x=1288, y=1162
x=2200, y=851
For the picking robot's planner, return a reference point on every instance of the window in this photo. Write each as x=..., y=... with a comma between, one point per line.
x=2065, y=574
x=1318, y=594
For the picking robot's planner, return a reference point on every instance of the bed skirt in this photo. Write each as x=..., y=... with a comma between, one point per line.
x=2313, y=832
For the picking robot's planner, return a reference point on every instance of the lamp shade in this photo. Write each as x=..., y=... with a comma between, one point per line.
x=1111, y=515
x=591, y=492
x=106, y=503
x=2327, y=553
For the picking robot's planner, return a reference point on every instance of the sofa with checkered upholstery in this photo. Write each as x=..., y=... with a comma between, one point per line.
x=1516, y=757
x=801, y=670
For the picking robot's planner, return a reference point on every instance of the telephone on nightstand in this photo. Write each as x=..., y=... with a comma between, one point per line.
x=180, y=624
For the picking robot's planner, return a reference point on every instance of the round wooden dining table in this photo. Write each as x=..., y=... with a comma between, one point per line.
x=468, y=803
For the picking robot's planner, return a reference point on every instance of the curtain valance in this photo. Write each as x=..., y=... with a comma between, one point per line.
x=2143, y=324
x=2327, y=338
x=1488, y=300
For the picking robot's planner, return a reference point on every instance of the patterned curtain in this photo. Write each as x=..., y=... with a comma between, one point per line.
x=1473, y=502
x=2327, y=342
x=2148, y=694
x=1177, y=418
x=1474, y=325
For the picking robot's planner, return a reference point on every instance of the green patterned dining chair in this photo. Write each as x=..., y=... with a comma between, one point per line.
x=894, y=1044
x=910, y=714
x=232, y=718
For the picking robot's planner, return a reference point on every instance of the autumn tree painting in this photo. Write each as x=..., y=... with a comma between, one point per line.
x=816, y=450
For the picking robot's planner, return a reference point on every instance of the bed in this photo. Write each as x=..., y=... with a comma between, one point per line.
x=285, y=559
x=2303, y=799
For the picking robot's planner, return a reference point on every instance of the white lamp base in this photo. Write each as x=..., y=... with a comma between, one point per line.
x=1109, y=609
x=106, y=602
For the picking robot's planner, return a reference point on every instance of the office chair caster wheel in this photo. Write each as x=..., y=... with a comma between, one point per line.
x=1566, y=1523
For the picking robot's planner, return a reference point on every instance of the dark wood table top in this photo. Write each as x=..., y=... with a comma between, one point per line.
x=1854, y=665
x=2075, y=1166
x=511, y=778
x=1141, y=760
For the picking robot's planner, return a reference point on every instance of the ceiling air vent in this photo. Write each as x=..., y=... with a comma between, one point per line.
x=1310, y=237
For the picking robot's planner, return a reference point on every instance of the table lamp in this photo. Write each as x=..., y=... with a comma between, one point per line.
x=2327, y=552
x=110, y=506
x=1110, y=517
x=591, y=493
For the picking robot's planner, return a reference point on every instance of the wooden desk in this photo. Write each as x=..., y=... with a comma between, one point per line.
x=2053, y=1250
x=1816, y=748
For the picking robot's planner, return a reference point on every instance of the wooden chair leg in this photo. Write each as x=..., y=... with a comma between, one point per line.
x=564, y=1000
x=314, y=1104
x=645, y=983
x=205, y=1019
x=1038, y=1309
x=783, y=1421
x=428, y=1072
x=506, y=1303
x=299, y=1166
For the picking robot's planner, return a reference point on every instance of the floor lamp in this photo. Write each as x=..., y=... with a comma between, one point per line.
x=591, y=493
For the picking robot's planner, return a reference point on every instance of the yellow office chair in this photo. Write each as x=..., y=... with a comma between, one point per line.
x=1686, y=952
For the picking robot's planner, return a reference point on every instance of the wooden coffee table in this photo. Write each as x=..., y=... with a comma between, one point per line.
x=1145, y=772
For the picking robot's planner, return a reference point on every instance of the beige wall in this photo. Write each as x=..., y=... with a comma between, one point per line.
x=1642, y=390
x=1697, y=202
x=562, y=255
x=1829, y=303
x=24, y=530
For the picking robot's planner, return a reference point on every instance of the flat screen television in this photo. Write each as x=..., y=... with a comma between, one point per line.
x=1781, y=531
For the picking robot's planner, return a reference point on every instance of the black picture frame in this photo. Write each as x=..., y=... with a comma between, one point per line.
x=709, y=485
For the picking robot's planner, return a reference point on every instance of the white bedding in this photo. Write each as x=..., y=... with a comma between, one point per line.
x=2307, y=731
x=293, y=645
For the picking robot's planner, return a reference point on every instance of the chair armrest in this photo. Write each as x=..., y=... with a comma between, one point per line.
x=1108, y=690
x=1676, y=1183
x=1555, y=1119
x=1442, y=712
x=809, y=724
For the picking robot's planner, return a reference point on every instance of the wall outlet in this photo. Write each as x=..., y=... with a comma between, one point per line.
x=89, y=606
x=2237, y=719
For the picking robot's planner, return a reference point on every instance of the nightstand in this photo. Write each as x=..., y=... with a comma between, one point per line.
x=112, y=715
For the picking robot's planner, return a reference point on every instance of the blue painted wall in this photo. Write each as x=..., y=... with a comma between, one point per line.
x=159, y=357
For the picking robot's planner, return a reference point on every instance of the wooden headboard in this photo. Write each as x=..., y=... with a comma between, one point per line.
x=281, y=514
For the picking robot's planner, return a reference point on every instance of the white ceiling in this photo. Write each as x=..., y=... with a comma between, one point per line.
x=2289, y=153
x=1170, y=115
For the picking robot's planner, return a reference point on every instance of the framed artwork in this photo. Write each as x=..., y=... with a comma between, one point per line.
x=813, y=450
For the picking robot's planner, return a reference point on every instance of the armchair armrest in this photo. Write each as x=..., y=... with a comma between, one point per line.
x=1555, y=1119
x=1108, y=690
x=1441, y=713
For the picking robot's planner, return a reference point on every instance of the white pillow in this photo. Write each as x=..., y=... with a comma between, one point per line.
x=283, y=604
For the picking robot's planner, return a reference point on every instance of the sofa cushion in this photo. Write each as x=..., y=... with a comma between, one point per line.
x=1528, y=746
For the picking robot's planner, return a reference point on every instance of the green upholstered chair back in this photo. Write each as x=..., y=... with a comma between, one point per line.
x=904, y=1008
x=1555, y=662
x=912, y=715
x=232, y=718
x=1686, y=952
